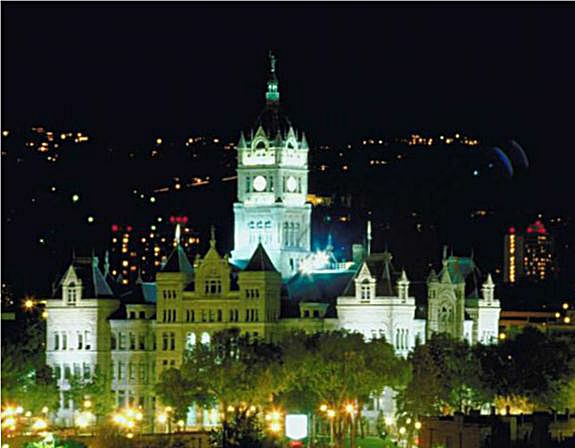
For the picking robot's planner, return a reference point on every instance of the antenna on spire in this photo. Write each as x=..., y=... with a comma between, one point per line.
x=272, y=94
x=212, y=236
x=368, y=238
x=272, y=62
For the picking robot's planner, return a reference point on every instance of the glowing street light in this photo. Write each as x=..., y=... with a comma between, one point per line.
x=323, y=408
x=39, y=425
x=417, y=425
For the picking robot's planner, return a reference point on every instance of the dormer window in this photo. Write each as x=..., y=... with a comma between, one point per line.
x=71, y=294
x=365, y=290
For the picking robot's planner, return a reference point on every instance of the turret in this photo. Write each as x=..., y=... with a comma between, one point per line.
x=488, y=290
x=403, y=286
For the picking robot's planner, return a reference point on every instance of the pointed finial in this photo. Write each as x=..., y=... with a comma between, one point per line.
x=242, y=142
x=177, y=235
x=329, y=246
x=489, y=281
x=106, y=263
x=139, y=279
x=212, y=236
x=444, y=252
x=403, y=277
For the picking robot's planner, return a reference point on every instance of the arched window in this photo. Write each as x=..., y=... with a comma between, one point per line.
x=190, y=340
x=219, y=315
x=205, y=339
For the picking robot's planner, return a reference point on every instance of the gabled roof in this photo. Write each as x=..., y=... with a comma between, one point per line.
x=86, y=269
x=178, y=262
x=260, y=261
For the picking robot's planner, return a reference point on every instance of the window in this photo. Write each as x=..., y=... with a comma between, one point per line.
x=132, y=314
x=213, y=286
x=315, y=313
x=164, y=341
x=164, y=316
x=121, y=370
x=205, y=338
x=172, y=341
x=67, y=371
x=220, y=315
x=190, y=341
x=142, y=314
x=71, y=294
x=87, y=344
x=86, y=370
x=57, y=372
x=122, y=343
x=80, y=341
x=132, y=341
x=131, y=372
x=121, y=398
x=77, y=370
x=142, y=372
x=113, y=342
x=56, y=341
x=64, y=341
x=141, y=341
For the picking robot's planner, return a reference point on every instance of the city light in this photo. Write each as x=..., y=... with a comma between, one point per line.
x=417, y=425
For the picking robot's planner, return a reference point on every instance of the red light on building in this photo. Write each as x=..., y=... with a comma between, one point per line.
x=184, y=219
x=115, y=227
x=129, y=228
x=511, y=230
x=172, y=219
x=529, y=230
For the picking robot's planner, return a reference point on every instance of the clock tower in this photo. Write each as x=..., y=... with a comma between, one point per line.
x=272, y=188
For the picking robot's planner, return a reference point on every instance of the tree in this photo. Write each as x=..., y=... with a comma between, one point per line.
x=533, y=366
x=342, y=371
x=444, y=378
x=26, y=379
x=97, y=391
x=231, y=372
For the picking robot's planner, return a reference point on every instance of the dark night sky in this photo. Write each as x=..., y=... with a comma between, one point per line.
x=130, y=72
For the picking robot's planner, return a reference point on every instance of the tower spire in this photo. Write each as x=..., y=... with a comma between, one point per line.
x=272, y=94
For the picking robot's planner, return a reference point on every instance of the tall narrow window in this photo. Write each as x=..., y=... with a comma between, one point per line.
x=56, y=341
x=64, y=341
x=80, y=341
x=87, y=341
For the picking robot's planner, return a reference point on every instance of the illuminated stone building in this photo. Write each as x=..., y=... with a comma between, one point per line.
x=272, y=286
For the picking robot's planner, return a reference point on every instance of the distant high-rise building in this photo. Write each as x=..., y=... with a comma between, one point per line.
x=139, y=251
x=528, y=256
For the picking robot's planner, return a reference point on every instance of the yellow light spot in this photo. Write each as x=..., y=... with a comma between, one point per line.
x=159, y=141
x=162, y=418
x=417, y=425
x=323, y=408
x=5, y=133
x=331, y=413
x=29, y=304
x=567, y=320
x=502, y=336
x=565, y=306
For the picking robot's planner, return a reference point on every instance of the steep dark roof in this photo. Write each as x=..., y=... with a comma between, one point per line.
x=178, y=262
x=380, y=267
x=260, y=261
x=318, y=286
x=273, y=121
x=142, y=292
x=94, y=285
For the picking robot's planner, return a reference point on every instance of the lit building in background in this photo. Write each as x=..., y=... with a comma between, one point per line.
x=140, y=251
x=528, y=256
x=538, y=262
x=513, y=254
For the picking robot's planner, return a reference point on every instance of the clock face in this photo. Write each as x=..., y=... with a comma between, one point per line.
x=260, y=183
x=291, y=184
